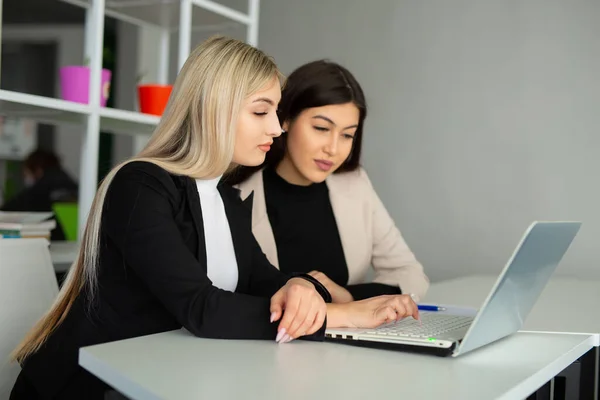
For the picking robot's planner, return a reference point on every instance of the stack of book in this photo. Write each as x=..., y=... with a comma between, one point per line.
x=26, y=225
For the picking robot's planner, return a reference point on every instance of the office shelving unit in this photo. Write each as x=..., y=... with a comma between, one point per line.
x=168, y=17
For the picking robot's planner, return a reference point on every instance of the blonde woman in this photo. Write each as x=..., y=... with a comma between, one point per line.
x=166, y=246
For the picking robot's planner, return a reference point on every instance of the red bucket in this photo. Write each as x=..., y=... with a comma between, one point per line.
x=154, y=98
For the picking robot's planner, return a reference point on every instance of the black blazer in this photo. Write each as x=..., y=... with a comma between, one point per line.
x=152, y=278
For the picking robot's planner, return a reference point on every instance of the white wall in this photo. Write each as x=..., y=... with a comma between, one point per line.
x=200, y=34
x=484, y=116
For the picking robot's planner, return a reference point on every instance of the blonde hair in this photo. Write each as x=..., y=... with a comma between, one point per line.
x=195, y=138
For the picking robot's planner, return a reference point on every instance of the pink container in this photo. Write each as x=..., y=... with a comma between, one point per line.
x=75, y=84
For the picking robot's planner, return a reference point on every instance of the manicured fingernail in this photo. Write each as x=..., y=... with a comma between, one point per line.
x=289, y=339
x=280, y=335
x=284, y=339
x=272, y=317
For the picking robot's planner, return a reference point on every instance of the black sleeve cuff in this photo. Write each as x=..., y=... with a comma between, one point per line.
x=318, y=285
x=318, y=336
x=366, y=290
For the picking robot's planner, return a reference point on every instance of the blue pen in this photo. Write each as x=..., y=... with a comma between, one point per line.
x=424, y=307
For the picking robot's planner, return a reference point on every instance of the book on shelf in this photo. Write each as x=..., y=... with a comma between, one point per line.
x=26, y=225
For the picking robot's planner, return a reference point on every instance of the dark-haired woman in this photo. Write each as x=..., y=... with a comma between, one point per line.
x=314, y=208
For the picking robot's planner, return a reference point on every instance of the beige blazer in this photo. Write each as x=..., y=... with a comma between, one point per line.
x=369, y=236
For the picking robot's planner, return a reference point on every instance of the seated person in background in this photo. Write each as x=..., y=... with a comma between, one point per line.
x=314, y=209
x=46, y=183
x=167, y=246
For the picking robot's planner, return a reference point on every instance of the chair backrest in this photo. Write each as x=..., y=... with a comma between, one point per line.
x=67, y=216
x=28, y=288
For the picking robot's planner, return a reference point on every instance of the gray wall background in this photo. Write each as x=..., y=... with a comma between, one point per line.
x=484, y=116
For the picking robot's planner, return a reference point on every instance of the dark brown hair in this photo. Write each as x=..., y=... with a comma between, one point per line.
x=316, y=84
x=41, y=160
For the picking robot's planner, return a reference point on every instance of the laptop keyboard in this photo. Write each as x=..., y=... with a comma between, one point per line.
x=432, y=324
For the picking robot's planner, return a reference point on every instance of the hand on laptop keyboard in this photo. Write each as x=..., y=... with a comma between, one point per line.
x=433, y=324
x=373, y=312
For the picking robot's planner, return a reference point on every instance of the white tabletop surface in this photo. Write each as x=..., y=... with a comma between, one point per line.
x=63, y=254
x=176, y=365
x=565, y=305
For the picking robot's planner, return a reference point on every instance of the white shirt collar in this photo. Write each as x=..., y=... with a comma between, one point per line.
x=208, y=186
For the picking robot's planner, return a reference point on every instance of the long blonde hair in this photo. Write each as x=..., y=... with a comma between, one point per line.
x=195, y=137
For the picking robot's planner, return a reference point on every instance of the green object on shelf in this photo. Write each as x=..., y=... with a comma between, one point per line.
x=10, y=185
x=67, y=217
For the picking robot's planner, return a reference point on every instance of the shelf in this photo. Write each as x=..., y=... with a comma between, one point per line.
x=55, y=111
x=41, y=109
x=127, y=122
x=165, y=13
x=198, y=18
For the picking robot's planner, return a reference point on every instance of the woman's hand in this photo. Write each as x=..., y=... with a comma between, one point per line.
x=370, y=313
x=302, y=307
x=338, y=293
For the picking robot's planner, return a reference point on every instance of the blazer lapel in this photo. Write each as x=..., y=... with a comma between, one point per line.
x=196, y=211
x=349, y=213
x=261, y=227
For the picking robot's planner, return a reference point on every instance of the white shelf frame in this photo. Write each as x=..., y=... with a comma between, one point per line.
x=96, y=118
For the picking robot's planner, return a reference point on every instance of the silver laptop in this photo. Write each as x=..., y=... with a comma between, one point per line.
x=456, y=330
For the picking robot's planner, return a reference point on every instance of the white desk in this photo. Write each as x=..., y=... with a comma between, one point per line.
x=565, y=305
x=63, y=254
x=176, y=365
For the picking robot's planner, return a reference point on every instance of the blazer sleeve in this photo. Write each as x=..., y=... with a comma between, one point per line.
x=393, y=261
x=362, y=291
x=265, y=279
x=138, y=217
